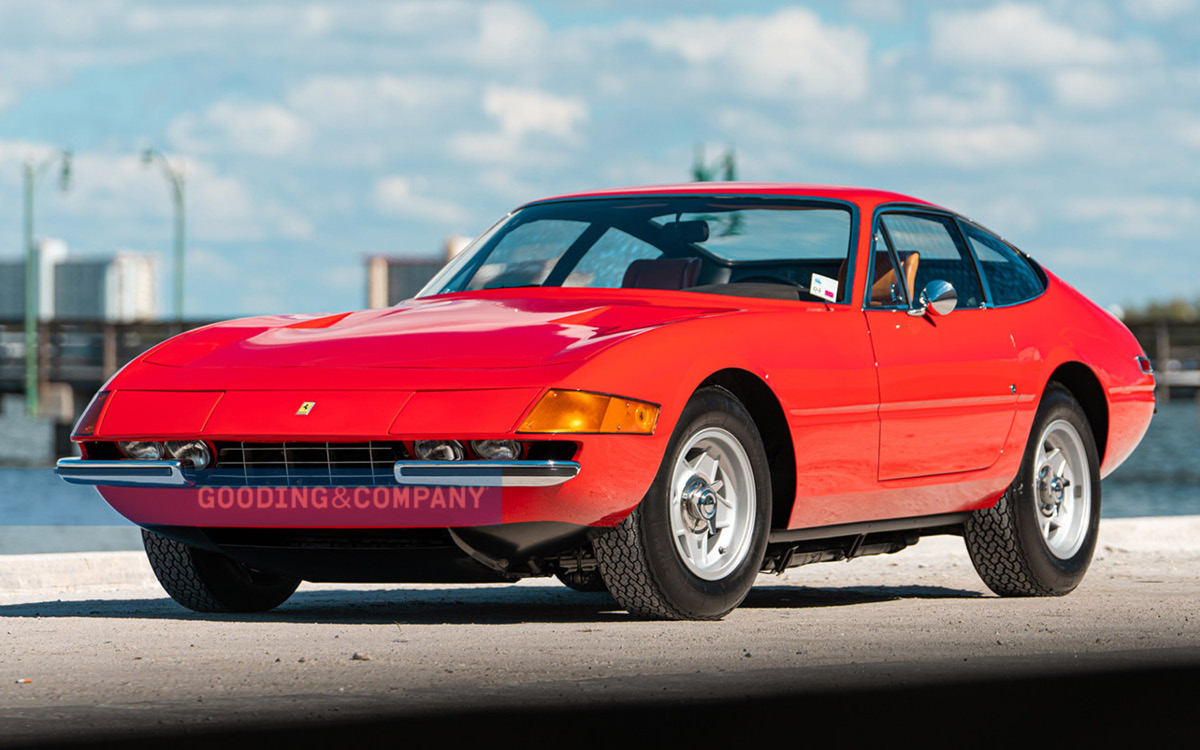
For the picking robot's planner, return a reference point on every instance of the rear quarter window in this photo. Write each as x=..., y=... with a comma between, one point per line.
x=1009, y=277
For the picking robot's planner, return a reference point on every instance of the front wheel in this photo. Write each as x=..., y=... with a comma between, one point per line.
x=694, y=545
x=1039, y=538
x=208, y=582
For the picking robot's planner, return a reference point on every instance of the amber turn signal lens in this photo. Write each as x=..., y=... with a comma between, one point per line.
x=584, y=412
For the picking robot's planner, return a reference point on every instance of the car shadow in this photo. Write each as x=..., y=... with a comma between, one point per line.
x=463, y=606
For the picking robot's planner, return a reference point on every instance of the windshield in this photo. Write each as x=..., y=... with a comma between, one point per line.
x=737, y=246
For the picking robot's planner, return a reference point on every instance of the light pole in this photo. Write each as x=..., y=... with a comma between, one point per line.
x=33, y=171
x=175, y=180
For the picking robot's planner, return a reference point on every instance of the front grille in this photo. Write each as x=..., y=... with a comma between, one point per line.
x=308, y=464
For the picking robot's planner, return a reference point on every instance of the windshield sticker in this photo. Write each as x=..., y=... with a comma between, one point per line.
x=823, y=287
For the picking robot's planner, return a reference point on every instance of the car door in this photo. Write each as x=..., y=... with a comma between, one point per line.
x=947, y=384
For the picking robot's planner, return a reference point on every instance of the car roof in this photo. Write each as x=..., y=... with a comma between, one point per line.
x=859, y=195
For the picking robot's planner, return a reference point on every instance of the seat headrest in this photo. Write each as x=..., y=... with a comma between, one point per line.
x=667, y=273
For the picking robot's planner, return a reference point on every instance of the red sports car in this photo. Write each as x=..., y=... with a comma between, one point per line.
x=658, y=391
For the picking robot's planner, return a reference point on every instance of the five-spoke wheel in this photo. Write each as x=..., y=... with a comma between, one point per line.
x=1063, y=489
x=694, y=545
x=712, y=509
x=1039, y=537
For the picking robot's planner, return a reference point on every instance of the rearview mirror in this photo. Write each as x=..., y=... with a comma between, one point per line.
x=937, y=298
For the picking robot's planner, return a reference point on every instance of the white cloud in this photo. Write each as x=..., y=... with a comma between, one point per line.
x=965, y=146
x=1011, y=35
x=509, y=34
x=521, y=112
x=1092, y=89
x=486, y=148
x=1007, y=214
x=1189, y=133
x=1062, y=259
x=402, y=196
x=1137, y=216
x=374, y=101
x=990, y=100
x=20, y=151
x=118, y=199
x=789, y=53
x=1159, y=10
x=240, y=127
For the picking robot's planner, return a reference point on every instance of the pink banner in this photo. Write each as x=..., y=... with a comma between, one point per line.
x=309, y=507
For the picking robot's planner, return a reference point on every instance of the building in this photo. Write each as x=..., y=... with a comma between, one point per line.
x=12, y=281
x=391, y=279
x=122, y=288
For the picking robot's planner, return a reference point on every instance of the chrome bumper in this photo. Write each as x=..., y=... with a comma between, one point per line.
x=410, y=473
x=485, y=473
x=123, y=473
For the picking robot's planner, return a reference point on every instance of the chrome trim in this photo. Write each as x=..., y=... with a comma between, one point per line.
x=122, y=473
x=936, y=299
x=130, y=473
x=485, y=473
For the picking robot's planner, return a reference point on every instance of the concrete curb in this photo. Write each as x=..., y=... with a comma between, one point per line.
x=74, y=571
x=1164, y=534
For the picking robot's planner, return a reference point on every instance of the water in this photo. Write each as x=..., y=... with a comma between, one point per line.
x=41, y=513
x=1162, y=477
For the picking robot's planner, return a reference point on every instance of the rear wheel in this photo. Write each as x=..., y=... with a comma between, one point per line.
x=1039, y=538
x=208, y=582
x=694, y=545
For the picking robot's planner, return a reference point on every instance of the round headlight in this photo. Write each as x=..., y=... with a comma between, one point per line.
x=142, y=450
x=194, y=452
x=438, y=450
x=497, y=450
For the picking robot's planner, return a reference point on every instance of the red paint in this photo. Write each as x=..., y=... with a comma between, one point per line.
x=889, y=415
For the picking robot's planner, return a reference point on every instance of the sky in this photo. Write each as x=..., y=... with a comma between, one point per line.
x=313, y=135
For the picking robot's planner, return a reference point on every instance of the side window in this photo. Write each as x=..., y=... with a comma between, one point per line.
x=887, y=289
x=525, y=256
x=1009, y=277
x=932, y=245
x=605, y=262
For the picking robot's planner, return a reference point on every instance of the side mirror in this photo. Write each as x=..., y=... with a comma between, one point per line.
x=937, y=298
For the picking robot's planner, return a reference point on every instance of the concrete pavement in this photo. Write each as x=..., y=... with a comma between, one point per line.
x=912, y=638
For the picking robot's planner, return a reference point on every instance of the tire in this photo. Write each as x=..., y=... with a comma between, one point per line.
x=664, y=561
x=587, y=581
x=1039, y=538
x=208, y=582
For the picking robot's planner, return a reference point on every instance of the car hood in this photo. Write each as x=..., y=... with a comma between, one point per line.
x=452, y=332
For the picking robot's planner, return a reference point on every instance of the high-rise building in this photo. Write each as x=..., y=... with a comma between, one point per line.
x=121, y=288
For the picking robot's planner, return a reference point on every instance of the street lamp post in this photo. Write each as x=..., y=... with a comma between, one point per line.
x=175, y=180
x=32, y=171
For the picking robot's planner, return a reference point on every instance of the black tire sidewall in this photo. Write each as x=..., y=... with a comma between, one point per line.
x=691, y=595
x=1054, y=573
x=238, y=587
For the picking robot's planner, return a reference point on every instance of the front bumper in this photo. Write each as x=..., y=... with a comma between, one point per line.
x=404, y=473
